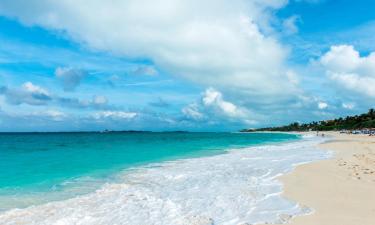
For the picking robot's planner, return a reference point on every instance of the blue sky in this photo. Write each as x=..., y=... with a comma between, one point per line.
x=183, y=65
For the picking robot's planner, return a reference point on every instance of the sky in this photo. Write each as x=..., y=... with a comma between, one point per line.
x=166, y=65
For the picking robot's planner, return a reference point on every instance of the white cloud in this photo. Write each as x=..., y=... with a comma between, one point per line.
x=214, y=99
x=192, y=112
x=363, y=85
x=341, y=58
x=115, y=115
x=100, y=100
x=292, y=77
x=97, y=102
x=28, y=93
x=216, y=42
x=69, y=77
x=31, y=88
x=55, y=115
x=345, y=66
x=32, y=94
x=290, y=24
x=213, y=107
x=322, y=105
x=348, y=105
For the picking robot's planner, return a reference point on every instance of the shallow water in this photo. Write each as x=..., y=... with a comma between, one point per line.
x=41, y=167
x=236, y=187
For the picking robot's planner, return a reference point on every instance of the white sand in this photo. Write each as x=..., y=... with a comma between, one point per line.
x=340, y=190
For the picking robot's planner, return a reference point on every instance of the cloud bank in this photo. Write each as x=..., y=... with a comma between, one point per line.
x=224, y=44
x=34, y=95
x=229, y=50
x=353, y=72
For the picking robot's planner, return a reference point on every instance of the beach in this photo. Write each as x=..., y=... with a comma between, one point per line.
x=211, y=184
x=340, y=190
x=283, y=179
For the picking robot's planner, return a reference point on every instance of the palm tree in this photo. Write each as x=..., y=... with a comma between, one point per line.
x=371, y=112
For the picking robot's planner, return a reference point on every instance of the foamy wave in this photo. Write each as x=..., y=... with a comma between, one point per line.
x=234, y=188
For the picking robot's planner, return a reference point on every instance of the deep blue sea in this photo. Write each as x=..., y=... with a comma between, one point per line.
x=146, y=171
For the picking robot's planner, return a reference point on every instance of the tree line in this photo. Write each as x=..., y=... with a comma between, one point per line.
x=365, y=120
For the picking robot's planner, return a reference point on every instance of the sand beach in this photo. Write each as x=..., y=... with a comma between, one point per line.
x=340, y=190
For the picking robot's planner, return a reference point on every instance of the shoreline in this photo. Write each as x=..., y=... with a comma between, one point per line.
x=339, y=190
x=250, y=183
x=329, y=187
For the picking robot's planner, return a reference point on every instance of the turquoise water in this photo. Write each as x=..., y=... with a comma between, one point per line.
x=39, y=162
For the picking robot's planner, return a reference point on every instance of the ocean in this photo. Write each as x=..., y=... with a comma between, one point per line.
x=148, y=177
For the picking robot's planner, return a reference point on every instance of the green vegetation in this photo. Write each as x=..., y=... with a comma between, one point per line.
x=366, y=120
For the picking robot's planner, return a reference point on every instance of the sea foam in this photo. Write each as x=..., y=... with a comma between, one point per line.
x=238, y=187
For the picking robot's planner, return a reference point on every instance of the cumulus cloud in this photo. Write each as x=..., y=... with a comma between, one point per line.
x=322, y=105
x=363, y=85
x=341, y=58
x=28, y=94
x=214, y=99
x=69, y=77
x=213, y=107
x=225, y=44
x=350, y=70
x=192, y=111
